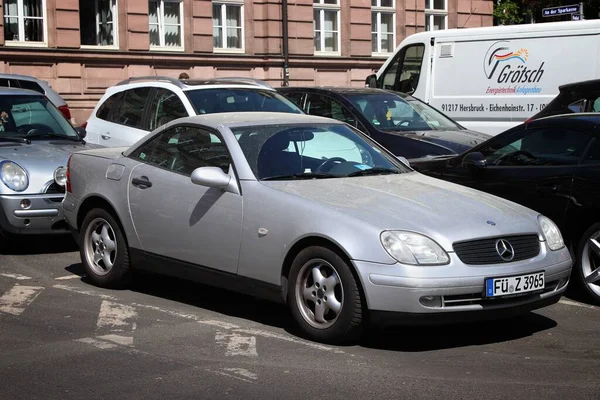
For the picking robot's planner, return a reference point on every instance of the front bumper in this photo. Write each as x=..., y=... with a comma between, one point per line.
x=44, y=216
x=399, y=289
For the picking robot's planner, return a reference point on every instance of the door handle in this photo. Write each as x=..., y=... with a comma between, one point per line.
x=106, y=136
x=142, y=182
x=553, y=188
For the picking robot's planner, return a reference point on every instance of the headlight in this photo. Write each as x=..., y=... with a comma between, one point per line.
x=13, y=176
x=413, y=248
x=551, y=233
x=60, y=176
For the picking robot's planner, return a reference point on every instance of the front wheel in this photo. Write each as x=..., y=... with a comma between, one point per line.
x=103, y=250
x=324, y=296
x=587, y=267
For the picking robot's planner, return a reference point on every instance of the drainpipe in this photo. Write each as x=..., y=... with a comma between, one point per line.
x=284, y=28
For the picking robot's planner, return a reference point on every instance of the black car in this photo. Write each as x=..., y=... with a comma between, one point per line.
x=579, y=97
x=403, y=124
x=551, y=165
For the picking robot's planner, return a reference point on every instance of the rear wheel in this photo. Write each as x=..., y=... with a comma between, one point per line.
x=324, y=296
x=587, y=267
x=103, y=249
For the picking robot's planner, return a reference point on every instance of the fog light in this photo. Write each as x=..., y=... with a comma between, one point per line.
x=25, y=204
x=431, y=301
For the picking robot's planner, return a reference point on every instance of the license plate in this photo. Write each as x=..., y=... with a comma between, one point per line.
x=512, y=285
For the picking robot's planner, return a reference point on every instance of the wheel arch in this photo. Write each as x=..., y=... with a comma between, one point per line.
x=97, y=201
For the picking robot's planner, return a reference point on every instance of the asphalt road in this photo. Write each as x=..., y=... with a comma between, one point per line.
x=61, y=338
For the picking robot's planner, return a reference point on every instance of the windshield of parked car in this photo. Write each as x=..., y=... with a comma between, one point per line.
x=32, y=117
x=387, y=111
x=209, y=101
x=302, y=151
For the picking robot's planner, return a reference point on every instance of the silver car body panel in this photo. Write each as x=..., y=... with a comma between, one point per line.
x=250, y=234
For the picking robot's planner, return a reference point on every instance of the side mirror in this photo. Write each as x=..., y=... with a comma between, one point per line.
x=213, y=177
x=403, y=160
x=81, y=132
x=371, y=81
x=474, y=160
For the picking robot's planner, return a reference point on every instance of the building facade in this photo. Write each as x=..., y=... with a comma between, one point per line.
x=84, y=46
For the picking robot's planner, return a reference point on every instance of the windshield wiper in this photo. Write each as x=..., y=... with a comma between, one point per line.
x=304, y=175
x=15, y=139
x=374, y=171
x=54, y=135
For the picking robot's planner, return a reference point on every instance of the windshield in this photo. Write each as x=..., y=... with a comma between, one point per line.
x=32, y=117
x=209, y=101
x=318, y=150
x=388, y=111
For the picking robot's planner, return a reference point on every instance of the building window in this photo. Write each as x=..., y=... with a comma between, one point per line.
x=383, y=26
x=436, y=15
x=25, y=21
x=98, y=23
x=228, y=25
x=165, y=24
x=327, y=26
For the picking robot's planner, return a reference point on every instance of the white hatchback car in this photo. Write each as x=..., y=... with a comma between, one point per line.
x=132, y=108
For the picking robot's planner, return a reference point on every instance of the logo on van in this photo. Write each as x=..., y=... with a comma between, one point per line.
x=510, y=65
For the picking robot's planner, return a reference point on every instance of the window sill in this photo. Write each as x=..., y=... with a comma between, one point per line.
x=97, y=47
x=228, y=51
x=328, y=53
x=169, y=49
x=14, y=43
x=381, y=55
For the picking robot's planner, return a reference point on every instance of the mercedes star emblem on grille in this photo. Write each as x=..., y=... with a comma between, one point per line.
x=505, y=250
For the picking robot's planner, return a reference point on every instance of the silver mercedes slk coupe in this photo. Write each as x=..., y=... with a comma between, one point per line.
x=308, y=211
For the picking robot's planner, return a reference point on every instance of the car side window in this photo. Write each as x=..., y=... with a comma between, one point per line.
x=592, y=156
x=539, y=147
x=325, y=106
x=295, y=97
x=132, y=108
x=166, y=107
x=107, y=109
x=182, y=149
x=31, y=86
x=4, y=82
x=404, y=72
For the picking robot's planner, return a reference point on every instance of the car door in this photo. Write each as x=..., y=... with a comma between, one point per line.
x=175, y=218
x=326, y=106
x=533, y=167
x=129, y=126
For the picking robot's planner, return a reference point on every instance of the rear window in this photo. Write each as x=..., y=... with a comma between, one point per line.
x=209, y=101
x=111, y=104
x=31, y=86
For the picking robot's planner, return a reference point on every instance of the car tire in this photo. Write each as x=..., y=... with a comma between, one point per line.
x=103, y=250
x=340, y=312
x=587, y=262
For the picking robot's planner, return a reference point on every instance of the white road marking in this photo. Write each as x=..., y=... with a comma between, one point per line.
x=68, y=277
x=242, y=372
x=16, y=299
x=118, y=339
x=229, y=375
x=18, y=277
x=286, y=338
x=237, y=345
x=210, y=322
x=97, y=343
x=576, y=304
x=116, y=316
x=86, y=292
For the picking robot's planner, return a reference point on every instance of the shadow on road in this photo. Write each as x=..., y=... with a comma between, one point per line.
x=31, y=245
x=405, y=339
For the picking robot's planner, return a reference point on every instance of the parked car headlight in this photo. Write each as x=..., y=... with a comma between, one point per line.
x=60, y=176
x=551, y=233
x=13, y=176
x=413, y=248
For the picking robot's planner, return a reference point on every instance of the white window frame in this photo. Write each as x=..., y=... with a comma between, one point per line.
x=161, y=26
x=322, y=7
x=21, y=23
x=436, y=12
x=223, y=4
x=379, y=9
x=115, y=23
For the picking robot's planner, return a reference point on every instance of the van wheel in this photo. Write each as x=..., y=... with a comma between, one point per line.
x=103, y=250
x=324, y=296
x=587, y=266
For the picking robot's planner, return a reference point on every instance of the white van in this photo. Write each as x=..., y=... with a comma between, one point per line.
x=493, y=78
